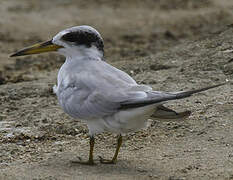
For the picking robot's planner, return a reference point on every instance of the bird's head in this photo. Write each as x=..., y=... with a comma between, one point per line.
x=75, y=41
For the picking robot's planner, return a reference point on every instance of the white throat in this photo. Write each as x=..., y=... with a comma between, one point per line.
x=80, y=52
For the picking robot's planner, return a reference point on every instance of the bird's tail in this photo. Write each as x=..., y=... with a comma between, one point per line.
x=163, y=112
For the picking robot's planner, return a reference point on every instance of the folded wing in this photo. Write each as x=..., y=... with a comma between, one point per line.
x=86, y=104
x=158, y=97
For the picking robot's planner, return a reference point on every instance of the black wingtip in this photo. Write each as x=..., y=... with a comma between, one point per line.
x=182, y=95
x=170, y=96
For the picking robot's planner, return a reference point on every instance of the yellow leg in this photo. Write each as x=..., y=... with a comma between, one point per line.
x=90, y=160
x=114, y=159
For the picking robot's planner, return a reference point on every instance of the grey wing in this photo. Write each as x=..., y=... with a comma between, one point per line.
x=97, y=91
x=103, y=90
x=154, y=97
x=84, y=103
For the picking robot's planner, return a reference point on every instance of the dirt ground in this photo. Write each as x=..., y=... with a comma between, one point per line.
x=171, y=45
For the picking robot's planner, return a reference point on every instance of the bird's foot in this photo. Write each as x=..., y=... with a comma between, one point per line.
x=106, y=161
x=80, y=161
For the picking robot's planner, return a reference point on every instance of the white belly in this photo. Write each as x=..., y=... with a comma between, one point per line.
x=122, y=122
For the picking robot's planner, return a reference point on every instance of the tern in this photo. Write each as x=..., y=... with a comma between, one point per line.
x=104, y=97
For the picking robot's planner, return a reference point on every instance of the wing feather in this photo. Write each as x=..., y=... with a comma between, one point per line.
x=158, y=97
x=103, y=90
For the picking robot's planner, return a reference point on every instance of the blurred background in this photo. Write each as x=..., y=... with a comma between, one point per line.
x=130, y=28
x=170, y=45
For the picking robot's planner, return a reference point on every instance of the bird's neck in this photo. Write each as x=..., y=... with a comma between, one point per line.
x=81, y=52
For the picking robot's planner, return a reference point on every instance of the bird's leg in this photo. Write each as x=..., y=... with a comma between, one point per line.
x=90, y=160
x=114, y=159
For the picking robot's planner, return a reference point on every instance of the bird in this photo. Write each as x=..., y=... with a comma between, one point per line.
x=105, y=98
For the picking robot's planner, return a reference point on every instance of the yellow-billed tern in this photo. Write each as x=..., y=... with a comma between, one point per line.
x=104, y=97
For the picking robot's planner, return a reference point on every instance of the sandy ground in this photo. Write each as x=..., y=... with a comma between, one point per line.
x=170, y=45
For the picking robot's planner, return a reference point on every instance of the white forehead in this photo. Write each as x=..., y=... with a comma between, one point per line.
x=75, y=29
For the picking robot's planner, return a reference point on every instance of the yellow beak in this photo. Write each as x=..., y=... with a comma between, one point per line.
x=38, y=48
